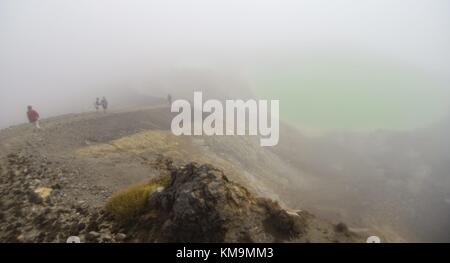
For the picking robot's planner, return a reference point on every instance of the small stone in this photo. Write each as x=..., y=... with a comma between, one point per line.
x=106, y=238
x=121, y=236
x=81, y=226
x=105, y=226
x=341, y=228
x=35, y=198
x=43, y=192
x=92, y=236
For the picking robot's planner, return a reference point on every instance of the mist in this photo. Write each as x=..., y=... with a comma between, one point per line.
x=59, y=55
x=363, y=86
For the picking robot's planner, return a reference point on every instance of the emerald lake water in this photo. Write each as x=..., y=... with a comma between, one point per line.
x=326, y=95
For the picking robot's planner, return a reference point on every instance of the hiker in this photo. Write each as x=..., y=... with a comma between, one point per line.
x=104, y=103
x=169, y=99
x=97, y=104
x=33, y=117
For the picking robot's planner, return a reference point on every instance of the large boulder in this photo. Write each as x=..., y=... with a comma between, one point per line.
x=200, y=204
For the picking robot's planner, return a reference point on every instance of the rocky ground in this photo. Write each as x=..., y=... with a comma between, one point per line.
x=49, y=191
x=32, y=213
x=200, y=204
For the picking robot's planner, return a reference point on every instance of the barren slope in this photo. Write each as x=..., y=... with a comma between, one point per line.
x=55, y=181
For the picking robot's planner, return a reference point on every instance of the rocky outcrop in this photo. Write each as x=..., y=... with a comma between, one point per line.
x=200, y=204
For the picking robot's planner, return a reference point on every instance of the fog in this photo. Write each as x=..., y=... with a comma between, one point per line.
x=59, y=55
x=372, y=76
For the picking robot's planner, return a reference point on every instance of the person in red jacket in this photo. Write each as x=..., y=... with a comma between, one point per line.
x=33, y=116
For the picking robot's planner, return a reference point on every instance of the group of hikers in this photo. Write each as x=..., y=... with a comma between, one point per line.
x=103, y=103
x=33, y=115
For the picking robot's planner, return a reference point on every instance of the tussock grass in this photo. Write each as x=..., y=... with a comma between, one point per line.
x=130, y=202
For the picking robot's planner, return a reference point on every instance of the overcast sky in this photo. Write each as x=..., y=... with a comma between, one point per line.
x=52, y=51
